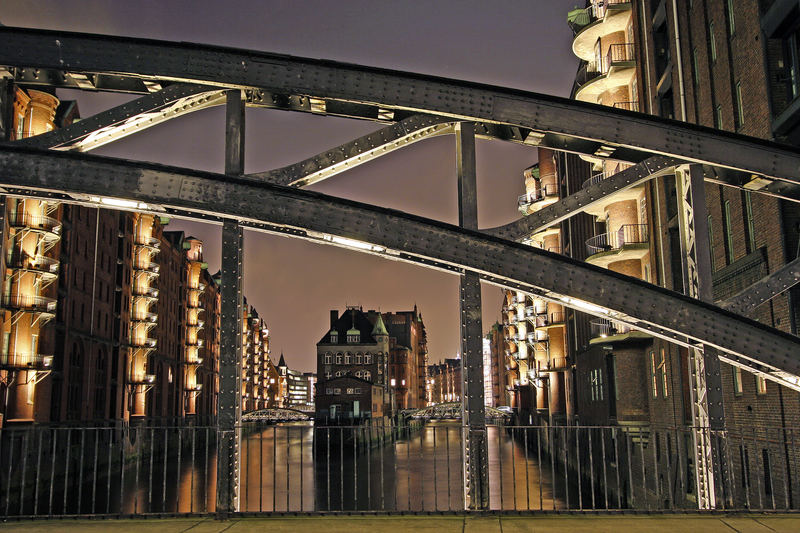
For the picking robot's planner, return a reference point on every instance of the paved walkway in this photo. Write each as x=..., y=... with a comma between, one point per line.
x=423, y=524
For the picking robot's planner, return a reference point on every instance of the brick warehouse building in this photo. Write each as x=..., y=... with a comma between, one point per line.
x=732, y=65
x=105, y=315
x=385, y=350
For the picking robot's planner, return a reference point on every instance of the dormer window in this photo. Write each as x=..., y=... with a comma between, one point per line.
x=353, y=338
x=334, y=337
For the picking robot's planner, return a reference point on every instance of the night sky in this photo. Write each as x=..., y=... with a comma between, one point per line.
x=522, y=44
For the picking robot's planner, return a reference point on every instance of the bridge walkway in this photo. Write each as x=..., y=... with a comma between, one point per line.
x=572, y=523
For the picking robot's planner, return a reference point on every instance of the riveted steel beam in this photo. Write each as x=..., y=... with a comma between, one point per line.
x=229, y=411
x=476, y=455
x=614, y=129
x=764, y=289
x=584, y=199
x=128, y=118
x=305, y=214
x=358, y=151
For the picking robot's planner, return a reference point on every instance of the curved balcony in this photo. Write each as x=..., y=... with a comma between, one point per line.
x=49, y=227
x=537, y=199
x=18, y=361
x=628, y=106
x=145, y=342
x=143, y=379
x=194, y=362
x=150, y=318
x=151, y=267
x=596, y=21
x=46, y=266
x=151, y=243
x=547, y=321
x=29, y=304
x=614, y=70
x=631, y=241
x=147, y=292
x=605, y=330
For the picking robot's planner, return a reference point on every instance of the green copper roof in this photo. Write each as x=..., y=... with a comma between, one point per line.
x=379, y=328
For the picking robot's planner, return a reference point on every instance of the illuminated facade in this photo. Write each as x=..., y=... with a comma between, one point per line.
x=30, y=239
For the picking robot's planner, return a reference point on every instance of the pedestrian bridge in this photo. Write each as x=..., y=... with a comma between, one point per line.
x=280, y=414
x=452, y=411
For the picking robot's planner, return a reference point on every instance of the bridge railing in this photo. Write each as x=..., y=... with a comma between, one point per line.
x=412, y=467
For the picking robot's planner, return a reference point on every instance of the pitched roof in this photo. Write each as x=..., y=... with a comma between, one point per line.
x=353, y=321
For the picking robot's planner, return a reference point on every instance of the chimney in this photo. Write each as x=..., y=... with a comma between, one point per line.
x=334, y=317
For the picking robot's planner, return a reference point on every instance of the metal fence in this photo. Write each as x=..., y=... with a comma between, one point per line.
x=417, y=467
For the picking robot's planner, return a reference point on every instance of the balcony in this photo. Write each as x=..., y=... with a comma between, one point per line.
x=194, y=362
x=628, y=106
x=151, y=267
x=151, y=243
x=18, y=361
x=144, y=342
x=539, y=198
x=46, y=266
x=629, y=242
x=599, y=75
x=547, y=321
x=147, y=292
x=30, y=304
x=150, y=318
x=604, y=330
x=49, y=227
x=602, y=18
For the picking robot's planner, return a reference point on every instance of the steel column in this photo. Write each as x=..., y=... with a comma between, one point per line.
x=229, y=404
x=706, y=389
x=476, y=476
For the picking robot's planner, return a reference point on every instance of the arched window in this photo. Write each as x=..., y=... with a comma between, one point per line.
x=328, y=358
x=339, y=358
x=338, y=373
x=347, y=358
x=367, y=359
x=359, y=373
x=359, y=358
x=367, y=375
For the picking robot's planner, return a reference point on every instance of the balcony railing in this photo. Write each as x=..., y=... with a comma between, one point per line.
x=616, y=240
x=547, y=191
x=144, y=342
x=27, y=361
x=40, y=304
x=152, y=266
x=41, y=222
x=38, y=263
x=587, y=73
x=597, y=177
x=150, y=242
x=545, y=320
x=579, y=19
x=602, y=327
x=630, y=106
x=619, y=53
x=146, y=317
x=150, y=292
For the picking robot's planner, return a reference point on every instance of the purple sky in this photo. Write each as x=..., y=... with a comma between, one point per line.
x=523, y=44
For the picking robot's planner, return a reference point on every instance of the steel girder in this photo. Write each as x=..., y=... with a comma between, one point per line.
x=764, y=289
x=128, y=118
x=612, y=129
x=357, y=151
x=395, y=235
x=585, y=198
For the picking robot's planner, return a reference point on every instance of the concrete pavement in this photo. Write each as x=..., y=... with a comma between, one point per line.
x=689, y=523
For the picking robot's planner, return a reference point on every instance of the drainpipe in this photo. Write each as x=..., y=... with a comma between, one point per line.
x=679, y=61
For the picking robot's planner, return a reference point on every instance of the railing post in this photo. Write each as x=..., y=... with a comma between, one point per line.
x=706, y=391
x=476, y=479
x=229, y=406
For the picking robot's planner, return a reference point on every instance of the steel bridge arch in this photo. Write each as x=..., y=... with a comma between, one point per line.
x=83, y=178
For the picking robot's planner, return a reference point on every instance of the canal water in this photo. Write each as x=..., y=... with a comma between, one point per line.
x=292, y=467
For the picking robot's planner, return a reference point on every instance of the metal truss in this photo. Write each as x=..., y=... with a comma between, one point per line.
x=131, y=117
x=82, y=178
x=53, y=58
x=358, y=151
x=764, y=289
x=585, y=198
